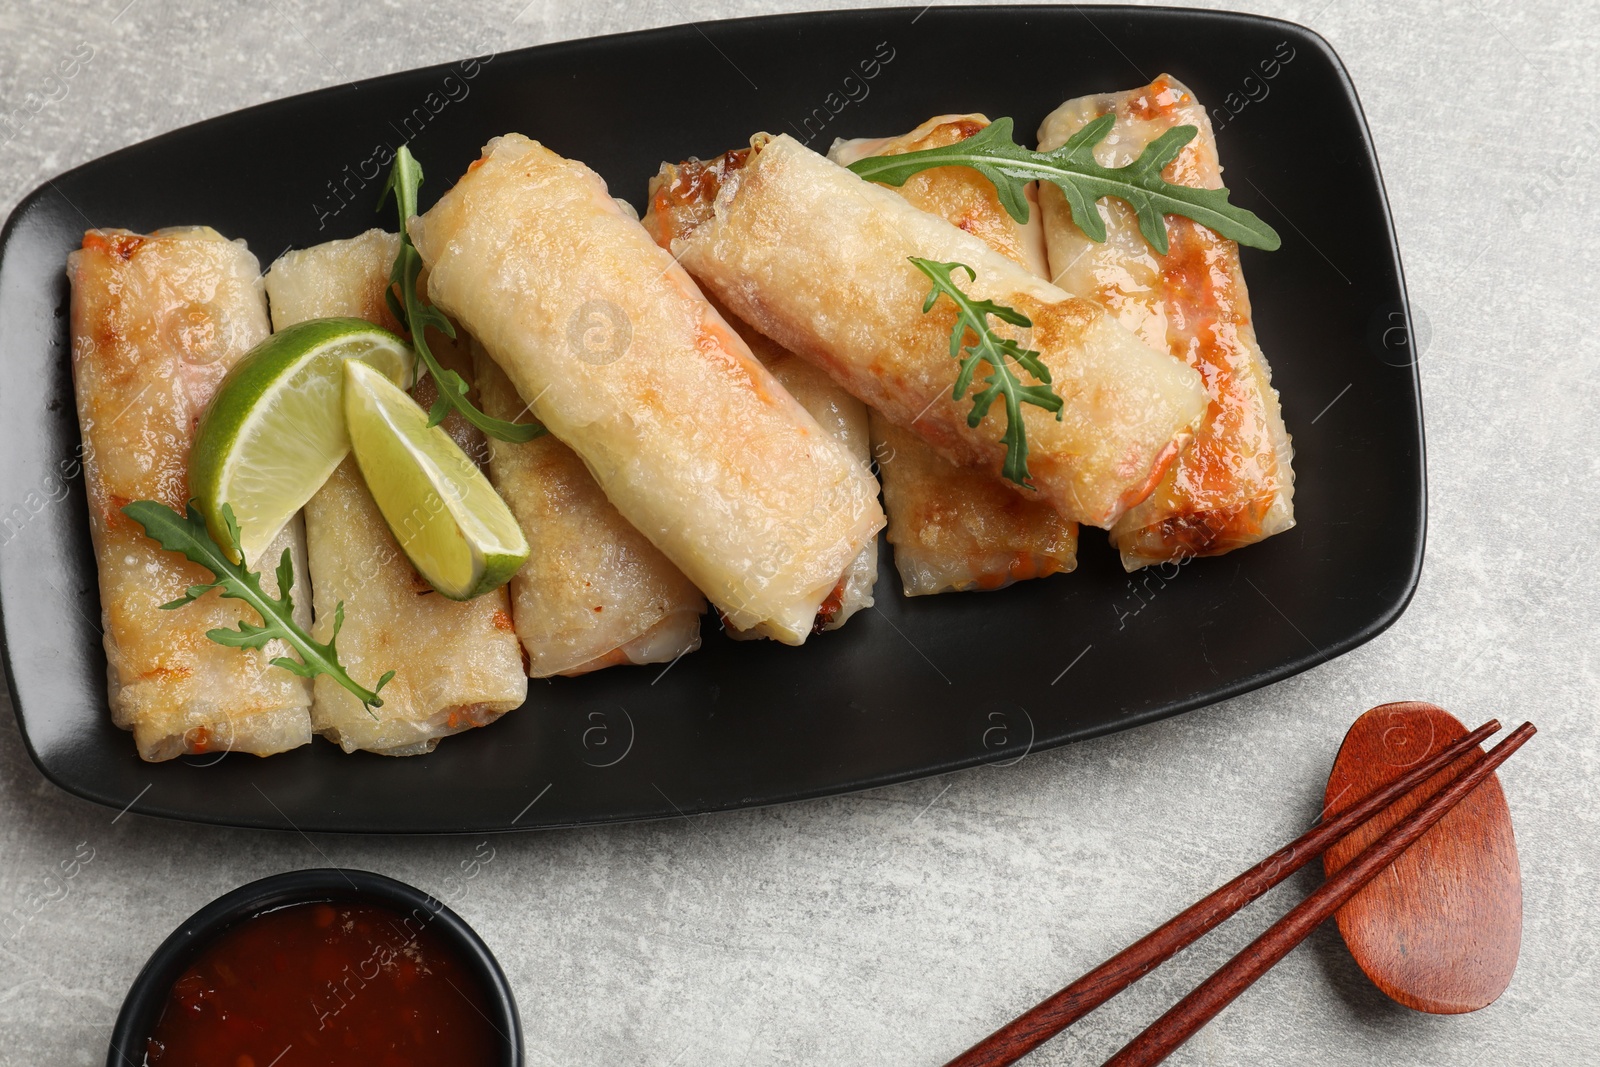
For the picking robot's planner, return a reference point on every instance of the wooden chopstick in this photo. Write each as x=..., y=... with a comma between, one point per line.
x=1217, y=992
x=1054, y=1014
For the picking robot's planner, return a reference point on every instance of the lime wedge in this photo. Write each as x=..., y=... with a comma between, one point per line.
x=446, y=517
x=275, y=430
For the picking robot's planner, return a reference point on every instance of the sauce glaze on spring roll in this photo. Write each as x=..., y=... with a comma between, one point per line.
x=817, y=259
x=690, y=437
x=594, y=592
x=457, y=664
x=1235, y=485
x=157, y=321
x=953, y=528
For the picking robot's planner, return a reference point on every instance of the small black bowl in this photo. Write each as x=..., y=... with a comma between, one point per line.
x=148, y=994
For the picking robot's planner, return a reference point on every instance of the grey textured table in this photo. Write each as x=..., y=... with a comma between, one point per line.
x=896, y=926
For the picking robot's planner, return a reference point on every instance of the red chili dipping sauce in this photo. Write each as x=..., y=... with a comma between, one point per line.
x=326, y=985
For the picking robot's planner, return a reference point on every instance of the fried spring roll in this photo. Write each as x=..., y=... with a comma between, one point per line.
x=817, y=259
x=952, y=528
x=843, y=416
x=621, y=357
x=457, y=664
x=157, y=321
x=1235, y=485
x=594, y=592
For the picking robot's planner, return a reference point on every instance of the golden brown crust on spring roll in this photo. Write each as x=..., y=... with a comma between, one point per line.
x=1234, y=486
x=157, y=320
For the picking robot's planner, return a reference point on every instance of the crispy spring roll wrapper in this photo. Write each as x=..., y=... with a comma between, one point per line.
x=816, y=258
x=956, y=529
x=696, y=444
x=457, y=664
x=594, y=592
x=157, y=321
x=843, y=416
x=1235, y=485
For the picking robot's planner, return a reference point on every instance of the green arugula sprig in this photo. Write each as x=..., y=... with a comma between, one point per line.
x=1072, y=169
x=189, y=536
x=972, y=316
x=405, y=177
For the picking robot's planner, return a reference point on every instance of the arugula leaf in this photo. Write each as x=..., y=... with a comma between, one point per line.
x=972, y=316
x=405, y=177
x=1072, y=169
x=189, y=536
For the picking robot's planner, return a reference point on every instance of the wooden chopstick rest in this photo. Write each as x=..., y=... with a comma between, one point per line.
x=1442, y=932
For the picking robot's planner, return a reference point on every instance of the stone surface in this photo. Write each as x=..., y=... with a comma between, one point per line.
x=896, y=926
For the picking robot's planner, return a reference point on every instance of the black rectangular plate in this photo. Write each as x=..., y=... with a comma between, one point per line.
x=913, y=688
